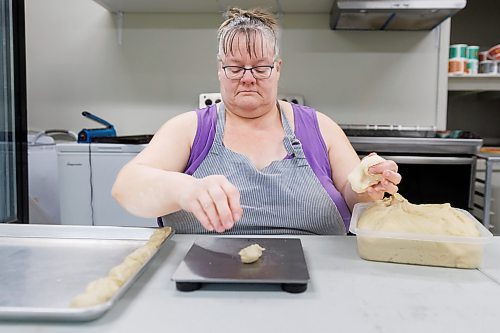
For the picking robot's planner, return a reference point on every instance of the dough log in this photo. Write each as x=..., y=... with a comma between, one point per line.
x=101, y=290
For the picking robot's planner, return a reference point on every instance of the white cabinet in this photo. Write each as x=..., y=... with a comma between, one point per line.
x=86, y=176
x=204, y=6
x=74, y=188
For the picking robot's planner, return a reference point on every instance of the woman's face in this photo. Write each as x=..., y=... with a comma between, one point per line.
x=247, y=95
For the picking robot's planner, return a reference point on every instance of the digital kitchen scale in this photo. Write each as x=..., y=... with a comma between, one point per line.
x=216, y=260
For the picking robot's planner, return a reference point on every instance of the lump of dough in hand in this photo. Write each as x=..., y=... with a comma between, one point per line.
x=251, y=253
x=360, y=178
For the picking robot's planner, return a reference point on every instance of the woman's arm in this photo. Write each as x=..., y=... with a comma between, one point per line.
x=148, y=185
x=153, y=183
x=343, y=159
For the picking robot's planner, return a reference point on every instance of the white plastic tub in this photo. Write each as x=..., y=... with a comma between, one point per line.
x=418, y=248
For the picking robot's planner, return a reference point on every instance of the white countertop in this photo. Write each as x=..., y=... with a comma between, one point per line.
x=345, y=293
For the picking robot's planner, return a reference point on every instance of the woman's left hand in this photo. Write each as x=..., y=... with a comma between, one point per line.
x=389, y=183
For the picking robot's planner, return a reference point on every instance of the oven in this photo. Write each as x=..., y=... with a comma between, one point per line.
x=437, y=167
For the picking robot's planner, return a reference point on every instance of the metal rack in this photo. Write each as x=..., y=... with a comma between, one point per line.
x=483, y=189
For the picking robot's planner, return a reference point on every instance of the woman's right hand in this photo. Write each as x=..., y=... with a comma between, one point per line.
x=214, y=201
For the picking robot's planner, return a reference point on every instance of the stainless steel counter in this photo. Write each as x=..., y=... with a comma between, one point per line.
x=416, y=145
x=345, y=293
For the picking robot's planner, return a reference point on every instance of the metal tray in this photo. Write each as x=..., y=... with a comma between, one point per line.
x=43, y=267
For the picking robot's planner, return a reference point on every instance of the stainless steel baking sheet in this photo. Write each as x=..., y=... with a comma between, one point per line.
x=216, y=260
x=42, y=267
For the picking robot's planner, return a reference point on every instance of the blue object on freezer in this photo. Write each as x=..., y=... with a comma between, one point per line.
x=87, y=135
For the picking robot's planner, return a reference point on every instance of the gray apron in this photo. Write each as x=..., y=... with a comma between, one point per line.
x=285, y=197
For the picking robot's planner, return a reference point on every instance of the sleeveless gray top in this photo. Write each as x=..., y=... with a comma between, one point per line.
x=284, y=197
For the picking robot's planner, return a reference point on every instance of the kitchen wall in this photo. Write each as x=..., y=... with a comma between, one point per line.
x=477, y=24
x=75, y=63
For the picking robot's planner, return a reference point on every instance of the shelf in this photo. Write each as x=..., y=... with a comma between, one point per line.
x=203, y=6
x=478, y=82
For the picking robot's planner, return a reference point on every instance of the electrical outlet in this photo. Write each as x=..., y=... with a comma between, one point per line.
x=207, y=99
x=296, y=99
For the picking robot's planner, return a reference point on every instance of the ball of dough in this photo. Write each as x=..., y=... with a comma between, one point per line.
x=360, y=178
x=251, y=253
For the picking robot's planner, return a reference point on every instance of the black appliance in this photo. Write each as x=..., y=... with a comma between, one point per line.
x=436, y=166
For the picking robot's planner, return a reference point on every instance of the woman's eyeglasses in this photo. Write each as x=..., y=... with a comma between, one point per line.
x=258, y=72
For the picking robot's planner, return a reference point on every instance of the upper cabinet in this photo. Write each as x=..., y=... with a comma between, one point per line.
x=214, y=6
x=345, y=14
x=405, y=15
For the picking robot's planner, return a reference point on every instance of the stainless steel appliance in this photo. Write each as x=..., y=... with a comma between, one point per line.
x=437, y=167
x=392, y=14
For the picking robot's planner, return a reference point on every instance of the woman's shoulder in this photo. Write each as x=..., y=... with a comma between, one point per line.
x=326, y=121
x=182, y=128
x=184, y=119
x=207, y=116
x=192, y=122
x=311, y=116
x=305, y=115
x=307, y=118
x=332, y=133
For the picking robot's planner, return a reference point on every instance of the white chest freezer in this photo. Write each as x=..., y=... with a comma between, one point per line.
x=86, y=175
x=42, y=174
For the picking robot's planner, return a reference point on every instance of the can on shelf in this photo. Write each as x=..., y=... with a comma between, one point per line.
x=472, y=52
x=456, y=66
x=494, y=52
x=471, y=66
x=458, y=51
x=483, y=56
x=488, y=67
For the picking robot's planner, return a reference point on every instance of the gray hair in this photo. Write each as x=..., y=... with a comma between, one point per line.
x=250, y=23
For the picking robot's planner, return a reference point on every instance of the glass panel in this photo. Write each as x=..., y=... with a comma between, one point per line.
x=8, y=194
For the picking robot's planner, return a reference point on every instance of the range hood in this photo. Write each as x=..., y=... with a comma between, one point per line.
x=392, y=14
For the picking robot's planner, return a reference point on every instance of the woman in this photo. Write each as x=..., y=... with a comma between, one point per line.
x=252, y=164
